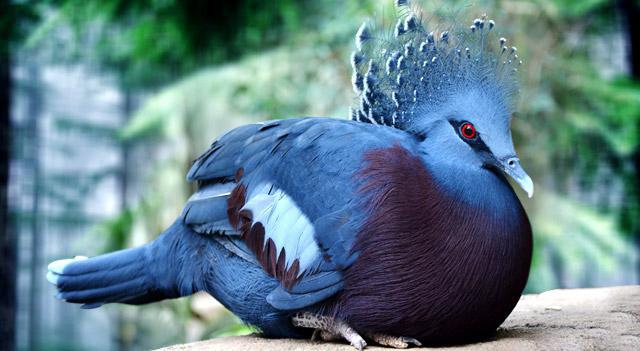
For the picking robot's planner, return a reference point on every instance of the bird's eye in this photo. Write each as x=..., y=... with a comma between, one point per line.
x=468, y=131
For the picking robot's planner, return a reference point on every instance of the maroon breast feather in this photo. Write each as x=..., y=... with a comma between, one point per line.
x=429, y=266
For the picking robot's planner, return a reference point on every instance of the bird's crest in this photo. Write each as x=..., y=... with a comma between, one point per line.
x=398, y=75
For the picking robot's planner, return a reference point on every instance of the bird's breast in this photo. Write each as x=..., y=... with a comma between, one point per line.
x=430, y=266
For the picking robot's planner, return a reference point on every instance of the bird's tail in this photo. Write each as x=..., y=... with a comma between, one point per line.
x=139, y=275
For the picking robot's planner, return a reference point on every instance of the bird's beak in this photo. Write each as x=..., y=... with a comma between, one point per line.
x=512, y=167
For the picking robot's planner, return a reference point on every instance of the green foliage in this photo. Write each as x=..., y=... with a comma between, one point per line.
x=585, y=243
x=606, y=112
x=16, y=19
x=272, y=85
x=151, y=42
x=570, y=9
x=118, y=231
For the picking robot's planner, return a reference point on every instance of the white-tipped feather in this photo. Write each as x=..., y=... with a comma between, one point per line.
x=285, y=224
x=362, y=36
x=56, y=268
x=433, y=64
x=52, y=277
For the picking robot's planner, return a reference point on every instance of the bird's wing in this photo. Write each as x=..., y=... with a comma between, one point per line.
x=284, y=194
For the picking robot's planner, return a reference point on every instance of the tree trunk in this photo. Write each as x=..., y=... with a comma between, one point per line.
x=631, y=11
x=34, y=109
x=7, y=236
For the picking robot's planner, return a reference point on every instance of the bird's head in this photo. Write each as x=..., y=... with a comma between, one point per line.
x=472, y=130
x=454, y=89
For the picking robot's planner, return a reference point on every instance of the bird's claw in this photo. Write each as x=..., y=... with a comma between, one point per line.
x=328, y=329
x=317, y=335
x=358, y=342
x=411, y=341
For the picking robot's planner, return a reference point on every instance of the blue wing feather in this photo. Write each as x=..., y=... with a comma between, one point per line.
x=314, y=162
x=206, y=210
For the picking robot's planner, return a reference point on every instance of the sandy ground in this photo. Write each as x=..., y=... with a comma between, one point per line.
x=572, y=319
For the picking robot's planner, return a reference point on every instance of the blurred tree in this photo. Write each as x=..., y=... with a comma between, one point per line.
x=15, y=18
x=7, y=238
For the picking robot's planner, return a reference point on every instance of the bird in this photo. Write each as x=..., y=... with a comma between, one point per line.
x=397, y=226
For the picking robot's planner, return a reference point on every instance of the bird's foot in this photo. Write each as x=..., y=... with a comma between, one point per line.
x=397, y=342
x=328, y=328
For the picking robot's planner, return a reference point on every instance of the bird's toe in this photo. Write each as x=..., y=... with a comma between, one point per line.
x=397, y=342
x=411, y=341
x=359, y=343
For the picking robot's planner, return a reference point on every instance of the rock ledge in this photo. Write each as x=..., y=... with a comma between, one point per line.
x=571, y=319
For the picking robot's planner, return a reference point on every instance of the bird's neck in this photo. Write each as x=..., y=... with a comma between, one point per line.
x=477, y=187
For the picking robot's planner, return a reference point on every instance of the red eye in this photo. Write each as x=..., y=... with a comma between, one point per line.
x=468, y=130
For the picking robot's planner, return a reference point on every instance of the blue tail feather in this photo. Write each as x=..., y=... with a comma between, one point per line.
x=178, y=263
x=139, y=275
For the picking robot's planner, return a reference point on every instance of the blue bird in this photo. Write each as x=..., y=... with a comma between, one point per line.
x=397, y=227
